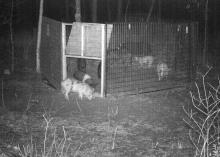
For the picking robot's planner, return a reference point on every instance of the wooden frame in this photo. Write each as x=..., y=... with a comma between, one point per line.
x=101, y=57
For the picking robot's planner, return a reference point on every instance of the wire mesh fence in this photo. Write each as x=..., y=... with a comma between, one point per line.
x=143, y=57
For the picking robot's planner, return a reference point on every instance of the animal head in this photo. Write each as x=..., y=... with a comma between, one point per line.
x=86, y=77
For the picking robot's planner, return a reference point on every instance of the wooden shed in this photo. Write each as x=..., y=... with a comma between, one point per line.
x=117, y=51
x=63, y=43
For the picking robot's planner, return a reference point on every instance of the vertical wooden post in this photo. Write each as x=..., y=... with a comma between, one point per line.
x=103, y=60
x=82, y=39
x=39, y=37
x=63, y=55
x=150, y=11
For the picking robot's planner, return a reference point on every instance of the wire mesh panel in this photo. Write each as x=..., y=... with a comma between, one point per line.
x=143, y=57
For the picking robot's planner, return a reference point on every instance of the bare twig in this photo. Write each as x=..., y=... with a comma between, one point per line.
x=76, y=153
x=45, y=134
x=191, y=139
x=64, y=141
x=150, y=11
x=28, y=104
x=203, y=124
x=77, y=103
x=126, y=10
x=215, y=89
x=113, y=142
x=3, y=99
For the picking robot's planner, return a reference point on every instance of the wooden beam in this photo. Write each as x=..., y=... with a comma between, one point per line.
x=39, y=37
x=63, y=54
x=103, y=62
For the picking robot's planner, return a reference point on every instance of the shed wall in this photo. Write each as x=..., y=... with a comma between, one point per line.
x=50, y=51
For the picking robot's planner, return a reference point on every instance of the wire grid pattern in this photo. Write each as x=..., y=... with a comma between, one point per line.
x=130, y=43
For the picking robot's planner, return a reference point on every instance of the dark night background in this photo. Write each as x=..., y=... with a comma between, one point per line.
x=145, y=111
x=25, y=19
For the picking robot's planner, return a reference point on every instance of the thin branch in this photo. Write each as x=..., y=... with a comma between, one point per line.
x=205, y=91
x=11, y=36
x=215, y=89
x=193, y=103
x=196, y=130
x=45, y=133
x=80, y=110
x=191, y=139
x=150, y=11
x=3, y=99
x=113, y=142
x=126, y=10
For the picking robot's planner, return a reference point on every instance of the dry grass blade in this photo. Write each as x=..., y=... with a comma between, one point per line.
x=113, y=142
x=3, y=100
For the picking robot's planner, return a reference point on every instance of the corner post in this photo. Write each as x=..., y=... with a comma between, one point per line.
x=103, y=60
x=63, y=55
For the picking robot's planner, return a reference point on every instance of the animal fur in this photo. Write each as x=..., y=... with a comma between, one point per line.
x=145, y=60
x=66, y=86
x=83, y=89
x=84, y=77
x=162, y=70
x=72, y=85
x=81, y=76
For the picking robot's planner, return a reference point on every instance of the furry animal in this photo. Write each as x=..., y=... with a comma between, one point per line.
x=72, y=85
x=83, y=89
x=145, y=60
x=84, y=77
x=66, y=86
x=162, y=70
x=6, y=72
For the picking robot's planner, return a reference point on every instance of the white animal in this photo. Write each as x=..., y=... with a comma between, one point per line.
x=83, y=89
x=148, y=60
x=72, y=85
x=162, y=70
x=81, y=76
x=7, y=72
x=66, y=86
x=86, y=77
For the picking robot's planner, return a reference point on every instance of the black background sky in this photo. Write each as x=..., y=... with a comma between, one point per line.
x=26, y=11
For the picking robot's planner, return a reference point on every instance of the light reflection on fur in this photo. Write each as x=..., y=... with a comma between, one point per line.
x=72, y=85
x=162, y=71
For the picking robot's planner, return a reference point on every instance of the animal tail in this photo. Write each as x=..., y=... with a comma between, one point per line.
x=86, y=77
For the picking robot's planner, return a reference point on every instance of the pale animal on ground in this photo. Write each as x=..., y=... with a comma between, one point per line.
x=86, y=77
x=7, y=72
x=83, y=89
x=66, y=86
x=81, y=76
x=145, y=60
x=162, y=71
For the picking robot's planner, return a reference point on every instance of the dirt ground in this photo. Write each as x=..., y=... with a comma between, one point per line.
x=37, y=116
